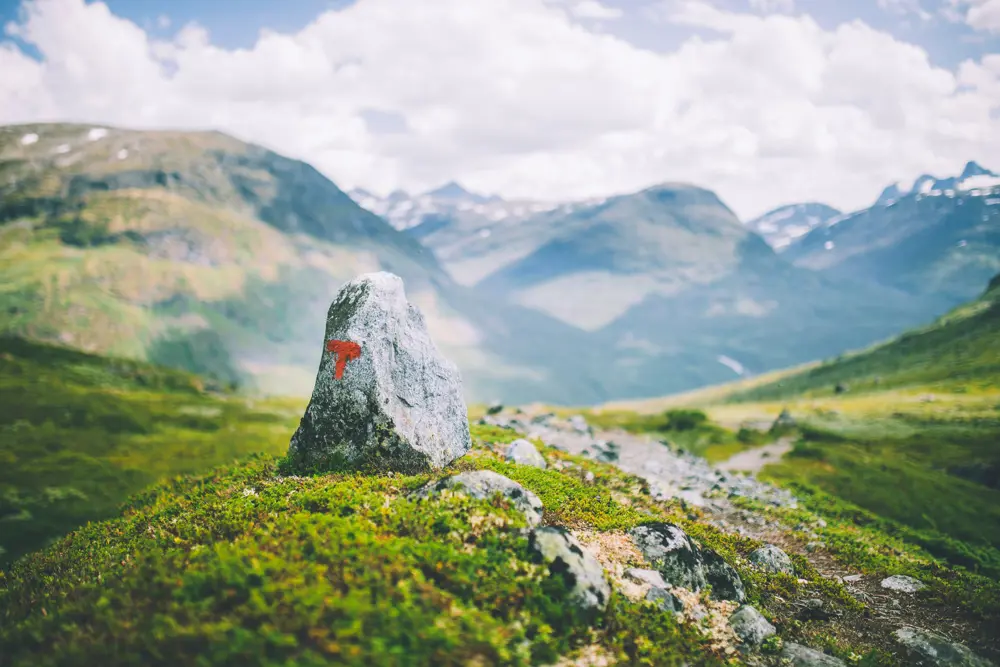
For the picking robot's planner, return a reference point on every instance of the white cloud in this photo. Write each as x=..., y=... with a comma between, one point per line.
x=163, y=21
x=905, y=7
x=516, y=96
x=768, y=6
x=982, y=14
x=592, y=9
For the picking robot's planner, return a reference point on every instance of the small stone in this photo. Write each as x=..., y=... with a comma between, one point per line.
x=813, y=610
x=495, y=408
x=384, y=396
x=772, y=559
x=664, y=599
x=802, y=656
x=851, y=578
x=902, y=584
x=936, y=651
x=523, y=452
x=651, y=577
x=484, y=484
x=589, y=476
x=567, y=558
x=750, y=625
x=814, y=546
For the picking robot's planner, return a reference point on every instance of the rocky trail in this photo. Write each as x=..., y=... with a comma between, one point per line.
x=894, y=617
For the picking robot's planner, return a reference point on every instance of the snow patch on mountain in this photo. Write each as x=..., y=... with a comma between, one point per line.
x=783, y=226
x=975, y=179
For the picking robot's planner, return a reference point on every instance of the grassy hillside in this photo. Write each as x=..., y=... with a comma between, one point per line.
x=201, y=252
x=960, y=351
x=913, y=435
x=80, y=433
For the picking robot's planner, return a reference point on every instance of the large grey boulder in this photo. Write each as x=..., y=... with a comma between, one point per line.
x=523, y=452
x=384, y=398
x=933, y=650
x=750, y=625
x=772, y=559
x=683, y=563
x=566, y=558
x=801, y=656
x=484, y=484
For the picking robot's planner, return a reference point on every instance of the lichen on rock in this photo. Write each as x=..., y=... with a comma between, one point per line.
x=397, y=404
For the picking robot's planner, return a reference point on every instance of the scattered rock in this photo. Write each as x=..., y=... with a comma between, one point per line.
x=684, y=563
x=523, y=452
x=566, y=558
x=851, y=578
x=840, y=388
x=814, y=546
x=902, y=584
x=651, y=577
x=580, y=425
x=589, y=477
x=933, y=650
x=801, y=656
x=750, y=625
x=384, y=396
x=484, y=484
x=813, y=610
x=772, y=559
x=665, y=599
x=495, y=408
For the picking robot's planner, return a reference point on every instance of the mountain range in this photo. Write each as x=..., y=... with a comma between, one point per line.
x=198, y=251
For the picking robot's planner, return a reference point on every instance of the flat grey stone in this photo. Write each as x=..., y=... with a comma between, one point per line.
x=802, y=656
x=903, y=584
x=750, y=625
x=484, y=484
x=651, y=577
x=397, y=403
x=933, y=650
x=523, y=452
x=566, y=557
x=772, y=559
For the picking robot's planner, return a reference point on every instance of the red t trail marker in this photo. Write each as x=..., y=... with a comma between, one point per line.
x=344, y=350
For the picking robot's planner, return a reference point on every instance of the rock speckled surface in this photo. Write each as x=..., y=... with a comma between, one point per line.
x=398, y=405
x=567, y=558
x=484, y=484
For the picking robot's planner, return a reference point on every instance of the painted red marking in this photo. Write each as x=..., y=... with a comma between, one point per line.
x=344, y=350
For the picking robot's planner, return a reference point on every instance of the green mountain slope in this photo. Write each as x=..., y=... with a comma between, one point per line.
x=198, y=251
x=942, y=239
x=80, y=433
x=960, y=349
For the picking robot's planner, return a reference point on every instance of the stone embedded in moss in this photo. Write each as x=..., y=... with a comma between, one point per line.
x=566, y=557
x=798, y=655
x=522, y=452
x=772, y=559
x=686, y=564
x=484, y=484
x=397, y=403
x=751, y=626
x=929, y=648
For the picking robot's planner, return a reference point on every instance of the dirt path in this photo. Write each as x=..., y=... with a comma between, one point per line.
x=752, y=460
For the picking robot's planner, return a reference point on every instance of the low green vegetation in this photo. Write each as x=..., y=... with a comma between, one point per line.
x=80, y=433
x=246, y=566
x=682, y=429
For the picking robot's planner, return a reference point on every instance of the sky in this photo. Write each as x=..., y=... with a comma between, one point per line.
x=766, y=102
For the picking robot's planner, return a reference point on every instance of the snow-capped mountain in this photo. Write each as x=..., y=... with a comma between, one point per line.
x=973, y=178
x=405, y=211
x=940, y=237
x=783, y=225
